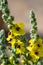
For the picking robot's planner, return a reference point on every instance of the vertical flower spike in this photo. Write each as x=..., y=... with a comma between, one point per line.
x=33, y=31
x=36, y=43
x=2, y=44
x=5, y=12
x=3, y=56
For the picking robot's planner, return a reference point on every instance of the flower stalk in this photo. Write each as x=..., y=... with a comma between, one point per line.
x=5, y=12
x=33, y=31
x=3, y=57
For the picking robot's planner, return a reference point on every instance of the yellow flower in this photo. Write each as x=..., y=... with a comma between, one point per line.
x=18, y=51
x=11, y=39
x=37, y=45
x=36, y=49
x=36, y=54
x=20, y=47
x=12, y=42
x=17, y=29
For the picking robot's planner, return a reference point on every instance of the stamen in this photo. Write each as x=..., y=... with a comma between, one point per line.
x=17, y=28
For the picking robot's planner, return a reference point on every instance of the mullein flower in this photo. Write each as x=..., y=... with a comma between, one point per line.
x=37, y=45
x=17, y=29
x=20, y=47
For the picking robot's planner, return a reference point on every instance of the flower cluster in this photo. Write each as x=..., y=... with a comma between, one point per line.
x=21, y=54
x=36, y=49
x=17, y=46
x=16, y=30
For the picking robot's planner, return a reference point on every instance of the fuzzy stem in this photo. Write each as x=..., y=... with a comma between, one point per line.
x=5, y=12
x=3, y=56
x=33, y=31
